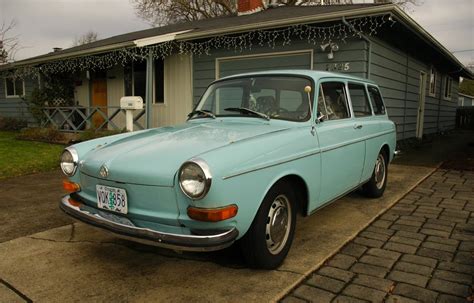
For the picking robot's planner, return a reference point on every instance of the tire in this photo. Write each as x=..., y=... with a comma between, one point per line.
x=375, y=187
x=266, y=245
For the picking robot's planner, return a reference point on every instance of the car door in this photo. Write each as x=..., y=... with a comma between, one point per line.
x=342, y=151
x=366, y=124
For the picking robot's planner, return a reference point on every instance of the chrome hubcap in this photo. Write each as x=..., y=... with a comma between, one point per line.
x=278, y=224
x=379, y=172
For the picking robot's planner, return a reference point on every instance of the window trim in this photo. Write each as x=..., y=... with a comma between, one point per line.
x=367, y=85
x=348, y=103
x=364, y=84
x=14, y=88
x=433, y=73
x=448, y=81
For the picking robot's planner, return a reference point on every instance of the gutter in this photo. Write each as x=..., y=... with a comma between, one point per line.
x=68, y=55
x=367, y=40
x=334, y=16
x=423, y=34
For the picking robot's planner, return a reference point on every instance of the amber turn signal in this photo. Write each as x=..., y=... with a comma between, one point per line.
x=71, y=187
x=212, y=214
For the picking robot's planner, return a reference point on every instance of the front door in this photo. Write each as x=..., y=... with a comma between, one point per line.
x=421, y=106
x=99, y=101
x=342, y=151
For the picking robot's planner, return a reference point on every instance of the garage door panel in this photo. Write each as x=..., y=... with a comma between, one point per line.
x=234, y=66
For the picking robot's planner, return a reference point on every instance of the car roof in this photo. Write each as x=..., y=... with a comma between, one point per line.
x=315, y=75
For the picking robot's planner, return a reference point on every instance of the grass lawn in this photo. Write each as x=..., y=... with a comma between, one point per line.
x=19, y=157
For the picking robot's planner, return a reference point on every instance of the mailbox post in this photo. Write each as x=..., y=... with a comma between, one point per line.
x=130, y=104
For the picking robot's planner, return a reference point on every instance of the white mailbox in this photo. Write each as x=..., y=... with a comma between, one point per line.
x=131, y=102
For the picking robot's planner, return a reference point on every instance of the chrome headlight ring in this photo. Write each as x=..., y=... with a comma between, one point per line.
x=195, y=178
x=69, y=158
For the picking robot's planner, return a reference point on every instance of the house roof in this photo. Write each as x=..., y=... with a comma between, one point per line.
x=269, y=18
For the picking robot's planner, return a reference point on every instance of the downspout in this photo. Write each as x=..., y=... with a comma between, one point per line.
x=149, y=89
x=366, y=39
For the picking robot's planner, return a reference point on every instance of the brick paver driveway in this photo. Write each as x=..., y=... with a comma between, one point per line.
x=419, y=250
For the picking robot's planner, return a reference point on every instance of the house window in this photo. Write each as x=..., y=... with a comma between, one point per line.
x=448, y=83
x=135, y=80
x=14, y=87
x=433, y=79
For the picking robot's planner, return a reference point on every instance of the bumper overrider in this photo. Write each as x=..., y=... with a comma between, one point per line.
x=205, y=240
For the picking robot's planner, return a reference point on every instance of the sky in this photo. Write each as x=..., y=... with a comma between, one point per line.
x=44, y=24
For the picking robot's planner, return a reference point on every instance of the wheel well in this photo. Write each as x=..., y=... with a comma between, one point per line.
x=386, y=150
x=301, y=191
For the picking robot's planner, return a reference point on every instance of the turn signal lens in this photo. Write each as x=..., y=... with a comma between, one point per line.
x=212, y=214
x=71, y=187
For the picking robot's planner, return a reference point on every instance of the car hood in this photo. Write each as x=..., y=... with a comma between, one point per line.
x=153, y=157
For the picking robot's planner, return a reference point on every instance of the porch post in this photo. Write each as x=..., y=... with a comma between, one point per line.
x=149, y=89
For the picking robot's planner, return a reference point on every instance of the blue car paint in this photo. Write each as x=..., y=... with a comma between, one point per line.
x=247, y=156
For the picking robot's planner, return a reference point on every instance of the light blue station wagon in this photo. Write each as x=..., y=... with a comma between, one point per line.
x=257, y=149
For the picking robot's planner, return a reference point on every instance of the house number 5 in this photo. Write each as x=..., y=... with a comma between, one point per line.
x=338, y=66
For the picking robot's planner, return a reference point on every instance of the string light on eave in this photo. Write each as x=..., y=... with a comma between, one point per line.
x=315, y=35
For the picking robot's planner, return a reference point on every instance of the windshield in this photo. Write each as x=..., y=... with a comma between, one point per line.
x=277, y=97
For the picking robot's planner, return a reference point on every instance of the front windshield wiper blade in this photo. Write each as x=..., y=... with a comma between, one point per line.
x=247, y=111
x=201, y=112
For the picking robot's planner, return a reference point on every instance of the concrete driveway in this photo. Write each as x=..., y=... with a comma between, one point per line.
x=75, y=262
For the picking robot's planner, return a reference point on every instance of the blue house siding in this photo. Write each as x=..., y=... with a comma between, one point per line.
x=354, y=52
x=398, y=75
x=17, y=107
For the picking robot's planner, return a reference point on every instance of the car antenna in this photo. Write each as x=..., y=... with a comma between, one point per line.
x=307, y=89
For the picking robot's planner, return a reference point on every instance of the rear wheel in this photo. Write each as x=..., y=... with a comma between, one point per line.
x=268, y=240
x=377, y=183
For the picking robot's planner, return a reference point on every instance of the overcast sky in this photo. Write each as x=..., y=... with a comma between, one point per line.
x=44, y=24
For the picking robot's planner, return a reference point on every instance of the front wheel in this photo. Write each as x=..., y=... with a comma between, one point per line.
x=268, y=240
x=377, y=183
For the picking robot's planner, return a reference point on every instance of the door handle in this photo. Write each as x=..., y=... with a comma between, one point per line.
x=357, y=126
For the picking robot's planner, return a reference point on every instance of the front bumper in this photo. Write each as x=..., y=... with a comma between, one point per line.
x=196, y=240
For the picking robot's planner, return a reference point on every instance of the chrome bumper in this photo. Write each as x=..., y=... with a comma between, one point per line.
x=208, y=240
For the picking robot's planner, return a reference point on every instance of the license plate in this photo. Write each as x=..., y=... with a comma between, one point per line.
x=112, y=198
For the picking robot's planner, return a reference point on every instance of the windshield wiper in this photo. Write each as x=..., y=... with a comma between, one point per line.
x=201, y=112
x=247, y=111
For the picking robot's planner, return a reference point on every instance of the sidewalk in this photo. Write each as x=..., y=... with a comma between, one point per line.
x=420, y=250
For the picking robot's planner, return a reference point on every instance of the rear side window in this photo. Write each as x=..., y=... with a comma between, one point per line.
x=360, y=102
x=332, y=101
x=376, y=100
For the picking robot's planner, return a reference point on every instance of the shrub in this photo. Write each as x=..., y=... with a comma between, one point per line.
x=12, y=124
x=42, y=134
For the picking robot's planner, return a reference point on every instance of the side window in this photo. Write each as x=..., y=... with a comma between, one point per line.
x=376, y=100
x=332, y=102
x=360, y=102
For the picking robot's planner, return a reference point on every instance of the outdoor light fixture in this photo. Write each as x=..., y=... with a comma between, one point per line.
x=333, y=47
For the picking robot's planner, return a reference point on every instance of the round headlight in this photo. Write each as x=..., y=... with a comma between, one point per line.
x=195, y=179
x=69, y=161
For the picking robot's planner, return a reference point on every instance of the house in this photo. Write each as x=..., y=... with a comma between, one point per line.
x=171, y=66
x=465, y=100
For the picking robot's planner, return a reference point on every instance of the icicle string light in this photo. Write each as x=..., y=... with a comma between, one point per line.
x=238, y=43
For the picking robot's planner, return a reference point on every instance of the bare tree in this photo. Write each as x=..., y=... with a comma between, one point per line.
x=9, y=44
x=163, y=12
x=86, y=38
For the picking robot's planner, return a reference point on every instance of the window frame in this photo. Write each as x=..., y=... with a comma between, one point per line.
x=367, y=99
x=14, y=88
x=348, y=103
x=448, y=88
x=367, y=86
x=434, y=74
